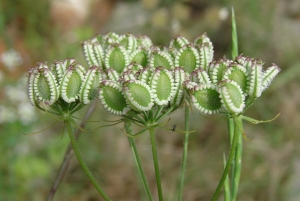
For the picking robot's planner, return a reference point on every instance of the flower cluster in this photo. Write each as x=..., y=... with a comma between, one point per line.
x=129, y=73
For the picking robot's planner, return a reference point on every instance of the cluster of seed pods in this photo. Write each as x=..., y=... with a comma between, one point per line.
x=130, y=73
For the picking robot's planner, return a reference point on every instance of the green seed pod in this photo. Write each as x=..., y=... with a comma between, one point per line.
x=255, y=80
x=32, y=73
x=99, y=53
x=113, y=75
x=216, y=70
x=206, y=98
x=188, y=84
x=134, y=67
x=89, y=53
x=145, y=75
x=110, y=38
x=206, y=43
x=140, y=56
x=128, y=75
x=90, y=85
x=206, y=54
x=200, y=76
x=160, y=58
x=128, y=41
x=269, y=75
x=188, y=58
x=178, y=42
x=179, y=78
x=232, y=98
x=245, y=61
x=71, y=83
x=238, y=74
x=116, y=58
x=144, y=41
x=138, y=95
x=112, y=98
x=59, y=68
x=45, y=86
x=162, y=86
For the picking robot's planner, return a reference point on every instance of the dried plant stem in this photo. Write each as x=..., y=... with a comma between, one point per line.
x=69, y=154
x=184, y=152
x=82, y=163
x=156, y=165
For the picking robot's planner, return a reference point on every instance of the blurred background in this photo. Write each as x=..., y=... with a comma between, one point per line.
x=48, y=30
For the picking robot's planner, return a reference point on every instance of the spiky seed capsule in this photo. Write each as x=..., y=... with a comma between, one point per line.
x=144, y=41
x=179, y=78
x=255, y=80
x=113, y=75
x=71, y=83
x=99, y=53
x=178, y=42
x=112, y=98
x=140, y=56
x=138, y=95
x=161, y=84
x=206, y=54
x=134, y=67
x=32, y=73
x=238, y=74
x=110, y=38
x=128, y=75
x=245, y=61
x=45, y=86
x=188, y=58
x=161, y=58
x=269, y=75
x=206, y=98
x=200, y=76
x=204, y=39
x=216, y=70
x=232, y=98
x=59, y=68
x=128, y=41
x=116, y=58
x=89, y=88
x=89, y=53
x=145, y=75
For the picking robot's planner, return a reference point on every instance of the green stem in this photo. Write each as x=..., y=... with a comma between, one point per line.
x=184, y=152
x=227, y=194
x=81, y=161
x=156, y=166
x=237, y=160
x=138, y=161
x=229, y=161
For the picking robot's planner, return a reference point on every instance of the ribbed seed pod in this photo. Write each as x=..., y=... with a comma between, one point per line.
x=110, y=38
x=145, y=75
x=89, y=53
x=128, y=75
x=179, y=78
x=269, y=75
x=188, y=58
x=134, y=67
x=216, y=70
x=140, y=56
x=238, y=74
x=206, y=98
x=162, y=86
x=32, y=73
x=232, y=98
x=116, y=58
x=112, y=98
x=138, y=95
x=59, y=68
x=245, y=61
x=128, y=41
x=204, y=39
x=178, y=42
x=200, y=76
x=90, y=86
x=188, y=84
x=144, y=41
x=255, y=80
x=45, y=86
x=161, y=58
x=206, y=54
x=113, y=75
x=71, y=83
x=99, y=53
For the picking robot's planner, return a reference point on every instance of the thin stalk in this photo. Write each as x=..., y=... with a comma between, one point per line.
x=227, y=194
x=229, y=161
x=82, y=163
x=69, y=154
x=184, y=152
x=238, y=162
x=137, y=161
x=156, y=166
